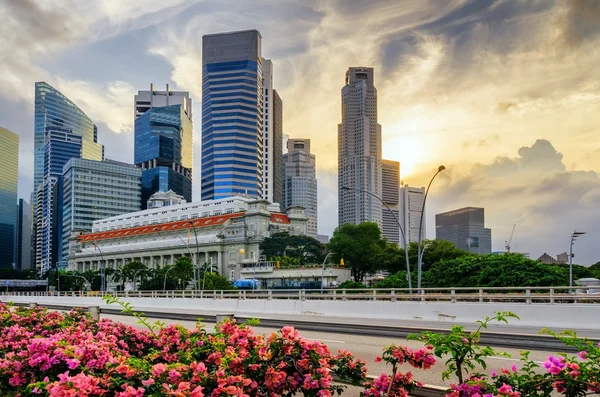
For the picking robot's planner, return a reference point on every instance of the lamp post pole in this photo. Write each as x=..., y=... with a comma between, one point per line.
x=165, y=281
x=323, y=269
x=190, y=252
x=574, y=236
x=135, y=279
x=197, y=253
x=399, y=226
x=102, y=269
x=419, y=250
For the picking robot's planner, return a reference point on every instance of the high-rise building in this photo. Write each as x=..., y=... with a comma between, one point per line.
x=411, y=205
x=390, y=194
x=232, y=119
x=359, y=150
x=9, y=164
x=465, y=228
x=277, y=148
x=146, y=100
x=300, y=181
x=23, y=237
x=272, y=137
x=56, y=114
x=61, y=145
x=163, y=149
x=95, y=190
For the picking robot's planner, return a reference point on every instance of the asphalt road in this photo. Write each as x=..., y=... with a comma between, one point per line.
x=367, y=348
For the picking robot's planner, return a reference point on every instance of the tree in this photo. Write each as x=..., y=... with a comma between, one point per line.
x=274, y=245
x=156, y=280
x=397, y=280
x=305, y=248
x=214, y=281
x=349, y=284
x=182, y=272
x=361, y=247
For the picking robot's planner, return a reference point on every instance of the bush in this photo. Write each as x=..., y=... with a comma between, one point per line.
x=349, y=284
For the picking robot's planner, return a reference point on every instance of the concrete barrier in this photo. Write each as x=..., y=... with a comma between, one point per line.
x=94, y=312
x=223, y=317
x=567, y=316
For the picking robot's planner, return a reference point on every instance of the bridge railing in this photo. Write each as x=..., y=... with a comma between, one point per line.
x=527, y=295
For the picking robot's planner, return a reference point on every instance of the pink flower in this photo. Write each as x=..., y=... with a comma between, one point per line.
x=158, y=369
x=378, y=359
x=148, y=382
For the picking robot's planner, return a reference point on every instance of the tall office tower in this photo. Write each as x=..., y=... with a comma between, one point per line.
x=411, y=205
x=359, y=150
x=465, y=228
x=300, y=181
x=61, y=145
x=277, y=169
x=232, y=119
x=272, y=137
x=95, y=190
x=163, y=149
x=9, y=177
x=390, y=194
x=23, y=237
x=53, y=110
x=146, y=100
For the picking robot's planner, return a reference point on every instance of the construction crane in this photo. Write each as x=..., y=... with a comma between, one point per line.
x=507, y=242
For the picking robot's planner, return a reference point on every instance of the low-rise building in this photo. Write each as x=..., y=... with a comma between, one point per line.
x=220, y=232
x=271, y=276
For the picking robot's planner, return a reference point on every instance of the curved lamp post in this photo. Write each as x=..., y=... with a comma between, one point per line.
x=165, y=282
x=197, y=254
x=323, y=269
x=75, y=275
x=191, y=256
x=574, y=236
x=399, y=226
x=102, y=269
x=419, y=250
x=135, y=278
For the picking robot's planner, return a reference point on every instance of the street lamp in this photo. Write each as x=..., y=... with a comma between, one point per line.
x=135, y=278
x=191, y=256
x=197, y=253
x=401, y=232
x=102, y=269
x=165, y=282
x=419, y=250
x=574, y=236
x=323, y=269
x=75, y=275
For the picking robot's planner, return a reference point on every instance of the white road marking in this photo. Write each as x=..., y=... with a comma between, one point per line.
x=512, y=359
x=333, y=341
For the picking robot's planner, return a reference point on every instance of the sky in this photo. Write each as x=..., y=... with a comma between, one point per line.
x=504, y=93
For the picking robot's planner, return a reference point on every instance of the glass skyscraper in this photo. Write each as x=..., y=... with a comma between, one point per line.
x=232, y=119
x=55, y=115
x=95, y=190
x=61, y=145
x=9, y=166
x=163, y=149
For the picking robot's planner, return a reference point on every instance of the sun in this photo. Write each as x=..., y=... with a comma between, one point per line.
x=410, y=151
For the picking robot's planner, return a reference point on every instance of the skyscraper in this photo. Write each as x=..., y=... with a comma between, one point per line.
x=95, y=190
x=411, y=205
x=146, y=100
x=300, y=181
x=272, y=137
x=9, y=164
x=232, y=119
x=60, y=146
x=55, y=114
x=390, y=180
x=465, y=228
x=163, y=149
x=359, y=150
x=23, y=237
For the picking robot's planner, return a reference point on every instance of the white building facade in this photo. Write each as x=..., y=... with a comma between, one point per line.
x=300, y=181
x=411, y=205
x=223, y=232
x=359, y=150
x=146, y=100
x=390, y=214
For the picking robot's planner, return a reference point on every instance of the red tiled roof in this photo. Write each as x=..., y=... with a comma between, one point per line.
x=280, y=218
x=169, y=226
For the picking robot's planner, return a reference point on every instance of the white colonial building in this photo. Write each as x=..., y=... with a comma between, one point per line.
x=225, y=233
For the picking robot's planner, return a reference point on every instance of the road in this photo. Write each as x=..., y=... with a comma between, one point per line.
x=367, y=348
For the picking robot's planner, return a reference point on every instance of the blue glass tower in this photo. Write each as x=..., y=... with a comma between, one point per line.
x=232, y=137
x=61, y=145
x=9, y=164
x=163, y=148
x=54, y=112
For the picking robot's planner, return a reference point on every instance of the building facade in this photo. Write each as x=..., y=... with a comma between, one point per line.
x=165, y=199
x=94, y=190
x=23, y=236
x=146, y=100
x=232, y=119
x=222, y=232
x=53, y=111
x=465, y=228
x=411, y=205
x=390, y=194
x=359, y=150
x=277, y=169
x=163, y=150
x=61, y=145
x=300, y=181
x=9, y=178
